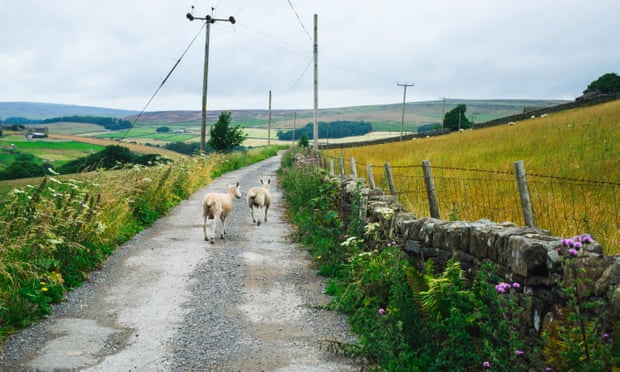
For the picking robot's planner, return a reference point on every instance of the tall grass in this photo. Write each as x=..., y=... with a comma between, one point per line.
x=571, y=158
x=52, y=234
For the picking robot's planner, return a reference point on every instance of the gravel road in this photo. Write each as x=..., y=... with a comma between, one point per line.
x=169, y=301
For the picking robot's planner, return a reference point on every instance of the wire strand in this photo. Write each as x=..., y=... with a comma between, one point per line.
x=164, y=80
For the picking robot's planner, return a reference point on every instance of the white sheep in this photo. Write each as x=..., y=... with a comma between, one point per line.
x=511, y=123
x=259, y=197
x=218, y=206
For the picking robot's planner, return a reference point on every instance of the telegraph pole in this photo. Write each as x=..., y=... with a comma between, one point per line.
x=269, y=125
x=315, y=130
x=402, y=122
x=209, y=20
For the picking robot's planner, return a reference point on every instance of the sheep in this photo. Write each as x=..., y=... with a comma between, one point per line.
x=511, y=123
x=218, y=206
x=259, y=197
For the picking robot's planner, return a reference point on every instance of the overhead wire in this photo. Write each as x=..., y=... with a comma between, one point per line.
x=164, y=80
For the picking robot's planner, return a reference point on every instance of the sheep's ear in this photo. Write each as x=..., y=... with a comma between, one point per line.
x=237, y=183
x=261, y=181
x=269, y=181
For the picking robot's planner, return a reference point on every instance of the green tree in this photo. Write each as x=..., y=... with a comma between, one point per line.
x=456, y=119
x=303, y=140
x=162, y=130
x=607, y=83
x=224, y=137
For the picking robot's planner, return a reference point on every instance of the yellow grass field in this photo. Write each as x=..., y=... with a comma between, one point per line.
x=572, y=161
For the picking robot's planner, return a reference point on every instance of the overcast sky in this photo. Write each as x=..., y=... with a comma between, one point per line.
x=116, y=53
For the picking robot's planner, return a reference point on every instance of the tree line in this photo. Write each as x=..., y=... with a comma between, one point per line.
x=106, y=122
x=334, y=129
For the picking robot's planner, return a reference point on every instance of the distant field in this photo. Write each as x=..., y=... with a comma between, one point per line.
x=571, y=157
x=45, y=150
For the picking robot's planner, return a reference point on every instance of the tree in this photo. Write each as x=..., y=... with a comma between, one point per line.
x=607, y=83
x=162, y=130
x=303, y=140
x=455, y=119
x=223, y=137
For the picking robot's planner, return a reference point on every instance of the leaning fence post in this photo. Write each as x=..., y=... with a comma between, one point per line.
x=353, y=167
x=341, y=167
x=371, y=179
x=524, y=193
x=331, y=167
x=431, y=193
x=388, y=175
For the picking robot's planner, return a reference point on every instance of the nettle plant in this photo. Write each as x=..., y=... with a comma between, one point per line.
x=578, y=339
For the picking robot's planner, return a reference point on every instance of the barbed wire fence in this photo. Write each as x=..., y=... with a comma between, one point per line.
x=563, y=206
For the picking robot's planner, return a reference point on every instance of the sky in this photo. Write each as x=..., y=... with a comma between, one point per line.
x=117, y=53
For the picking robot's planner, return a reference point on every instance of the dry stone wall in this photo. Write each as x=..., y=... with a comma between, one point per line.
x=526, y=255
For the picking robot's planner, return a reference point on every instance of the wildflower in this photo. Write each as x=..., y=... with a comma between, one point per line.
x=502, y=287
x=516, y=285
x=486, y=364
x=572, y=252
x=548, y=369
x=318, y=257
x=44, y=289
x=519, y=352
x=577, y=245
x=393, y=243
x=606, y=337
x=43, y=283
x=381, y=311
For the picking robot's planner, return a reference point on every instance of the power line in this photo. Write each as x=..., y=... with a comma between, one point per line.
x=164, y=81
x=299, y=19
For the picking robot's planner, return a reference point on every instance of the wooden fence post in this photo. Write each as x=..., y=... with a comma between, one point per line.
x=388, y=175
x=331, y=167
x=431, y=193
x=371, y=179
x=524, y=194
x=341, y=167
x=353, y=167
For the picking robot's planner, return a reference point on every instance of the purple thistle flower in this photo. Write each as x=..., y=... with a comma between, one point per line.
x=572, y=252
x=565, y=242
x=577, y=245
x=587, y=239
x=381, y=311
x=606, y=337
x=486, y=364
x=516, y=285
x=548, y=369
x=519, y=352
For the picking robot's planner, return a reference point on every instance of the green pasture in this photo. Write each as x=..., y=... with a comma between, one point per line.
x=55, y=152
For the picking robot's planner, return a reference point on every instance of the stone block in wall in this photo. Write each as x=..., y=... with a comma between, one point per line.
x=452, y=236
x=482, y=238
x=528, y=256
x=423, y=230
x=405, y=226
x=610, y=277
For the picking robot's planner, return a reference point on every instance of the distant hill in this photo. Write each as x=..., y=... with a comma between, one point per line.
x=382, y=117
x=417, y=113
x=36, y=110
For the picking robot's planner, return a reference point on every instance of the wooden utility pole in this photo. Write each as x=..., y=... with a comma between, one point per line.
x=315, y=130
x=209, y=20
x=269, y=125
x=402, y=122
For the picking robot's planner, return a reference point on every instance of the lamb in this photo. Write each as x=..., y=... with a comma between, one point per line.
x=259, y=197
x=218, y=206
